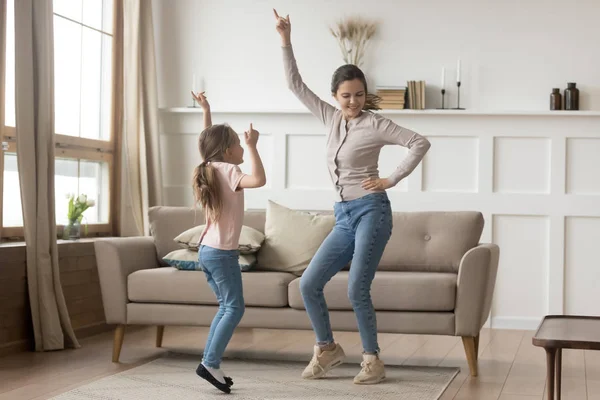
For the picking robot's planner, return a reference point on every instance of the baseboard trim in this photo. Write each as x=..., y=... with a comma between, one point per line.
x=520, y=323
x=14, y=347
x=94, y=329
x=25, y=345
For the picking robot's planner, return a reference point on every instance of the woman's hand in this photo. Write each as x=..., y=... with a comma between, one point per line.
x=376, y=184
x=284, y=27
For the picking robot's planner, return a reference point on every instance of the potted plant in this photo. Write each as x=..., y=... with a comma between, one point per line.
x=77, y=206
x=353, y=35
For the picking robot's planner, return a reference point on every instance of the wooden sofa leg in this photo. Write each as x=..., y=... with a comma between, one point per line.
x=160, y=330
x=118, y=342
x=471, y=345
x=477, y=347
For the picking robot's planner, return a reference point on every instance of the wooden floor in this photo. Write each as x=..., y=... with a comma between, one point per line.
x=510, y=367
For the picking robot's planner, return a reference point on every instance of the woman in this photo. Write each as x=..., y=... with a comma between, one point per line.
x=363, y=212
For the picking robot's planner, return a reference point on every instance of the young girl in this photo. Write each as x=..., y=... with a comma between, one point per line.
x=363, y=212
x=219, y=187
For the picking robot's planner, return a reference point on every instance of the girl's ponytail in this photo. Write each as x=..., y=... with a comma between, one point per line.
x=207, y=191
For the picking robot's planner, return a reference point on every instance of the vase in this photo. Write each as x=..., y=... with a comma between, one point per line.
x=571, y=97
x=555, y=99
x=72, y=231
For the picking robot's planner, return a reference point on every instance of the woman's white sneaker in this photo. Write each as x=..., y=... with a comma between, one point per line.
x=323, y=361
x=373, y=370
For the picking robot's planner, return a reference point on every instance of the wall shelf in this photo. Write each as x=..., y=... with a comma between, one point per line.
x=450, y=112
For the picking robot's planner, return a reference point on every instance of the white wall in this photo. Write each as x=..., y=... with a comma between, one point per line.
x=535, y=176
x=513, y=51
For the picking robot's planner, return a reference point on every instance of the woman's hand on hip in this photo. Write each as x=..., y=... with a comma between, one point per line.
x=376, y=184
x=284, y=27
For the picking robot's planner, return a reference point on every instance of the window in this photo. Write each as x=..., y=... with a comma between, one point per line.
x=82, y=58
x=80, y=176
x=11, y=217
x=9, y=108
x=11, y=205
x=84, y=151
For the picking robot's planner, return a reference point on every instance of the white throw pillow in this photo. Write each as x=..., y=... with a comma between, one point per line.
x=250, y=239
x=292, y=238
x=187, y=260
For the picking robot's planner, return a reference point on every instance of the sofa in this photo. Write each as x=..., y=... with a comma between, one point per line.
x=434, y=278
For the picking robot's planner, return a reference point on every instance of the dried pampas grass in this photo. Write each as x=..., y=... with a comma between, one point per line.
x=353, y=35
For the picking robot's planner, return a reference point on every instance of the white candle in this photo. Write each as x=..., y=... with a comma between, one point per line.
x=443, y=77
x=458, y=71
x=194, y=82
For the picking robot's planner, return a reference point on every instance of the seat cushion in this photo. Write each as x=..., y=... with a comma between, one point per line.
x=170, y=285
x=390, y=291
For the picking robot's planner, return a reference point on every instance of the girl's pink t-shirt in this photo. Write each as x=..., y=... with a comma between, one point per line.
x=225, y=233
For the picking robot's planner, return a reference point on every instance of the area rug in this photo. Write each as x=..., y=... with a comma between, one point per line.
x=173, y=377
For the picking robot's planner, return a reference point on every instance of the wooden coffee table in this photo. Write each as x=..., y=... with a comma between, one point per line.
x=557, y=332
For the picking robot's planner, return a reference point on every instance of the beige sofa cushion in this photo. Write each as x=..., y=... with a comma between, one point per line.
x=292, y=238
x=168, y=222
x=170, y=285
x=431, y=241
x=249, y=243
x=390, y=291
x=421, y=241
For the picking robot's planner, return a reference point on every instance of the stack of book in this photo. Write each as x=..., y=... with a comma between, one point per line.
x=392, y=97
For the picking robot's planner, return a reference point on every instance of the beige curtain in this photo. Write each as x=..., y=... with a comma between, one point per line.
x=2, y=103
x=141, y=181
x=34, y=49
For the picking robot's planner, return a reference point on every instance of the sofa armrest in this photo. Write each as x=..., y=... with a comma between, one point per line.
x=475, y=288
x=116, y=259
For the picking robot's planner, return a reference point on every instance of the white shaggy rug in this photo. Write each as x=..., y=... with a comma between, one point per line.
x=173, y=377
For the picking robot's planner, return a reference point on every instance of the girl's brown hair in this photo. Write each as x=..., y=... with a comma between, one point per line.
x=213, y=143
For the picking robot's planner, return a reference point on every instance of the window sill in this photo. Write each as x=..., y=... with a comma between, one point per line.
x=59, y=242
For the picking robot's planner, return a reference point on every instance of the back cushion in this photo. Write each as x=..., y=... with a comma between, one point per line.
x=431, y=241
x=421, y=241
x=168, y=222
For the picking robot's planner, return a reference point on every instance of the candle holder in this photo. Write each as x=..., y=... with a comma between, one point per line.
x=458, y=97
x=193, y=103
x=443, y=94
